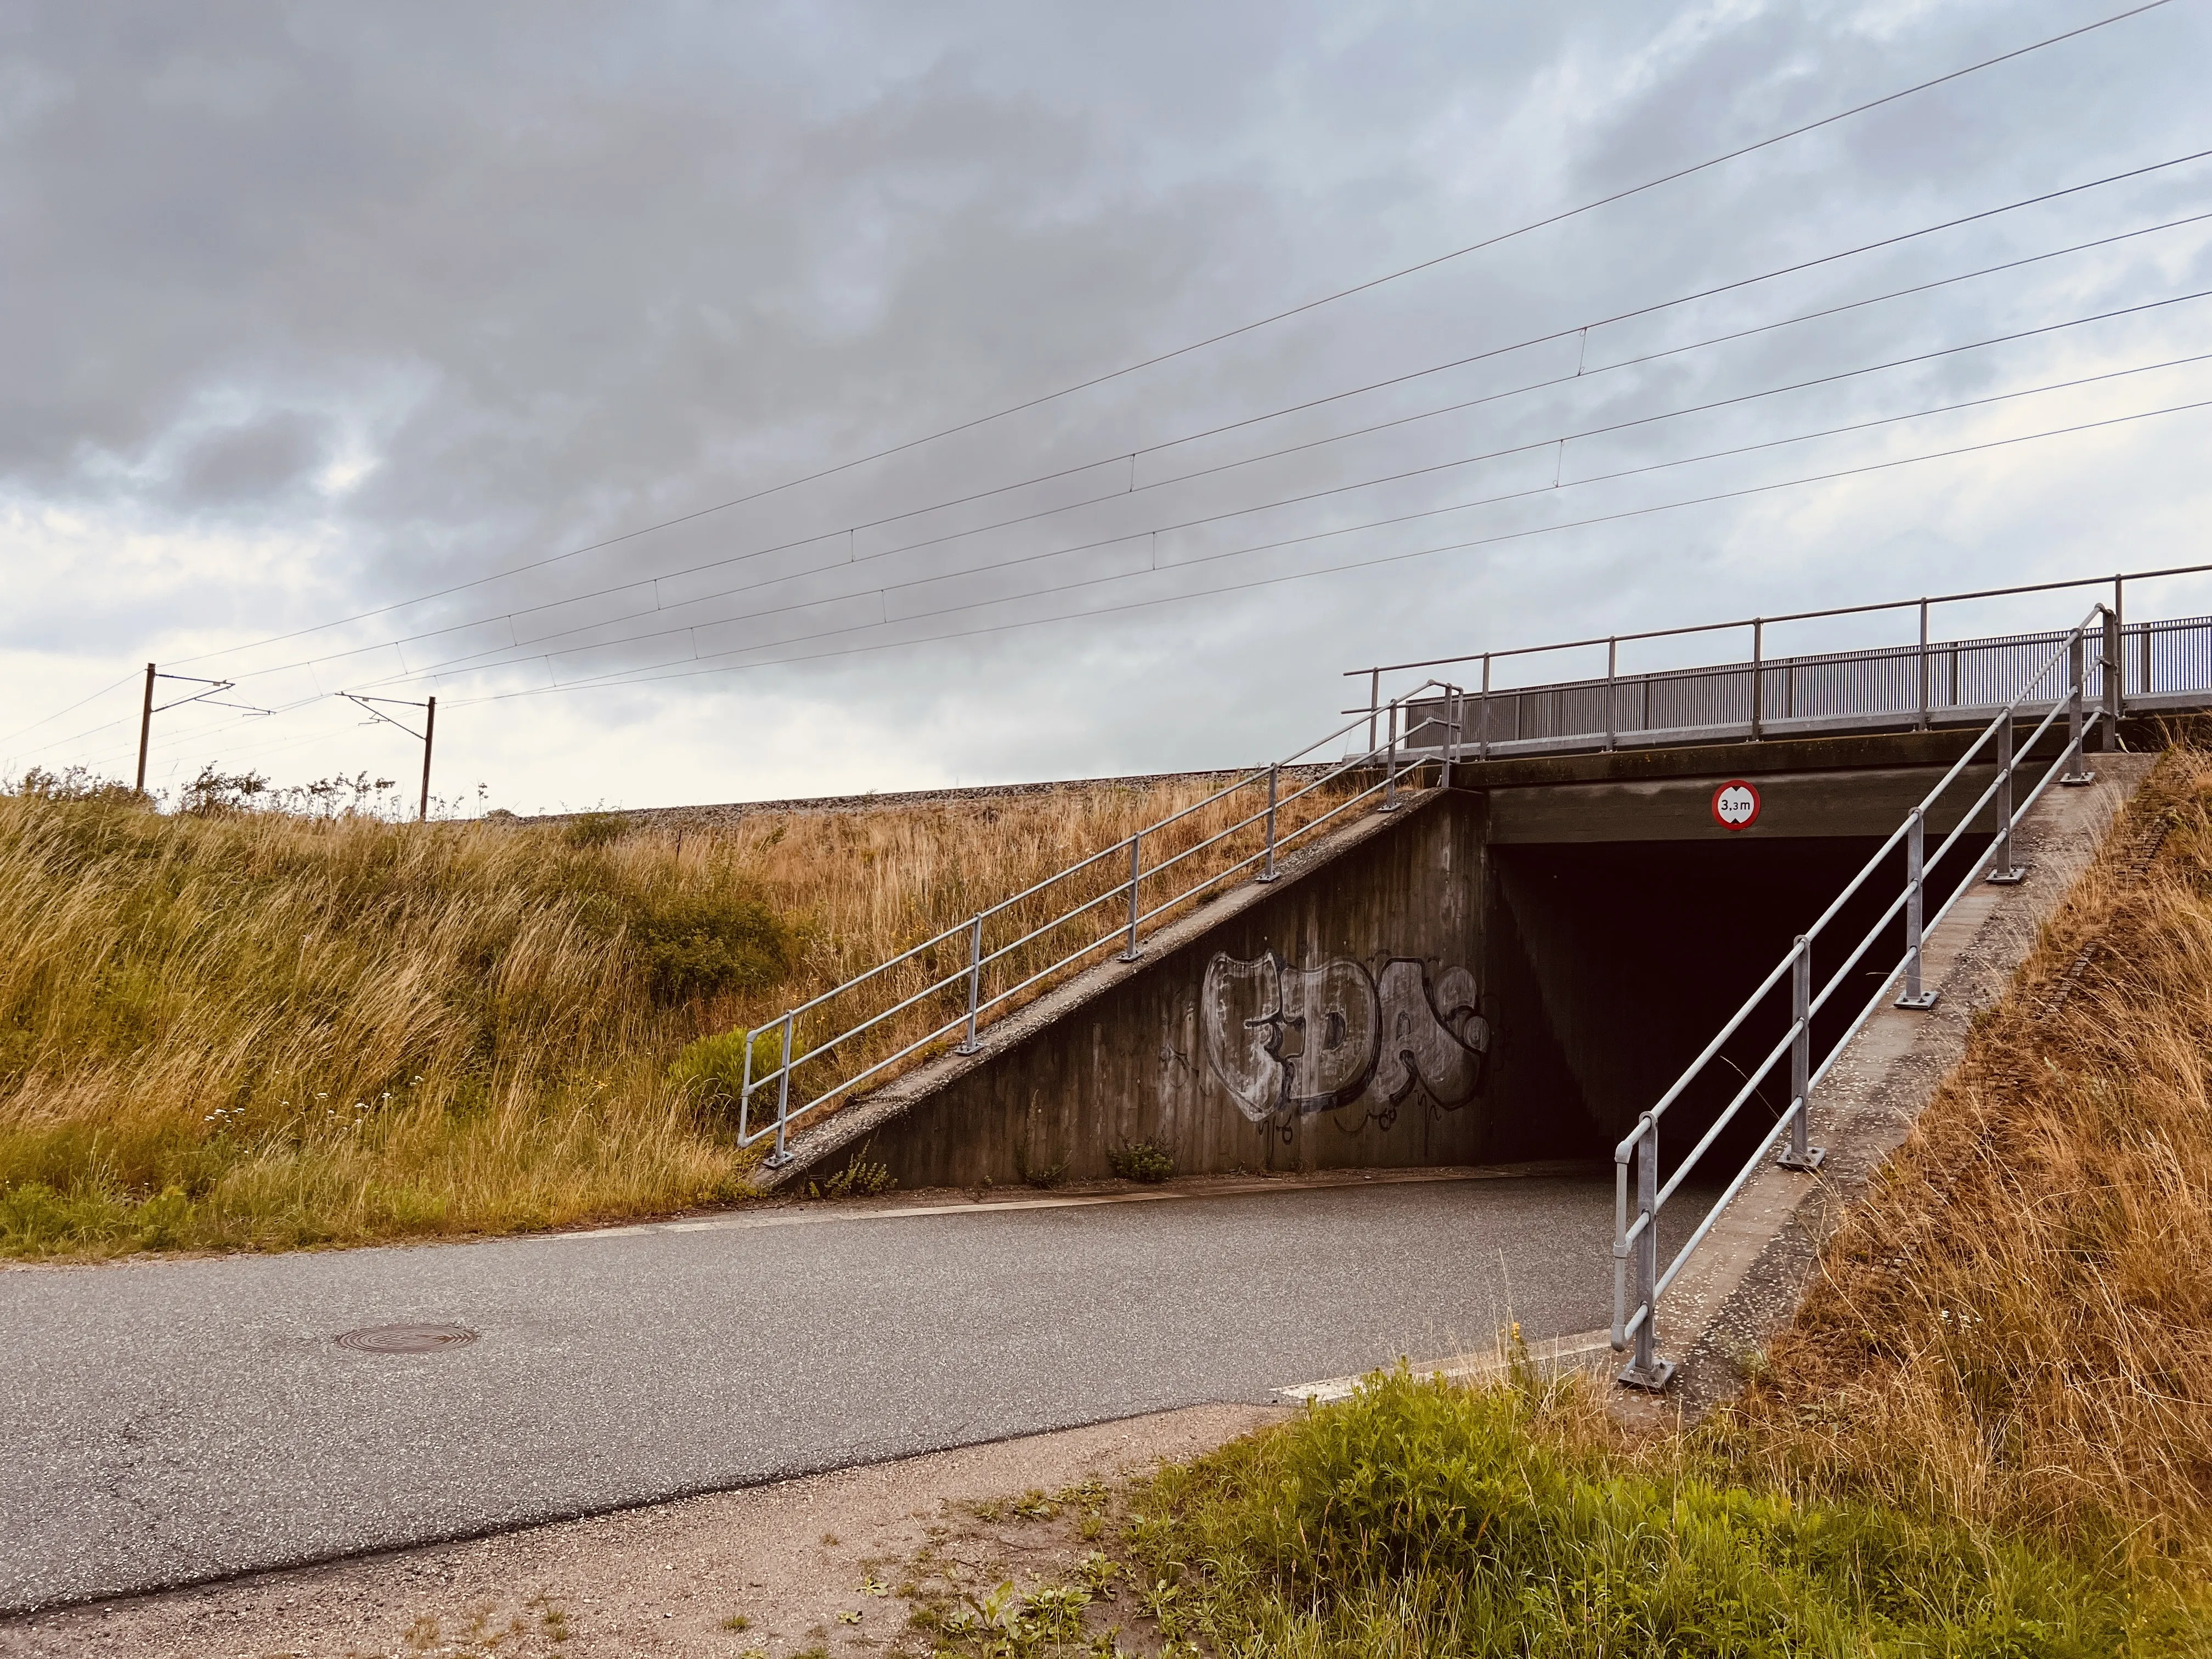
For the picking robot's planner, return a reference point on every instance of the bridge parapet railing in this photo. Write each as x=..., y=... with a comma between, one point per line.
x=1945, y=682
x=860, y=1034
x=2066, y=679
x=1949, y=683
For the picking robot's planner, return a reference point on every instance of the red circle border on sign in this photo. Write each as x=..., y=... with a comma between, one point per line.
x=1757, y=804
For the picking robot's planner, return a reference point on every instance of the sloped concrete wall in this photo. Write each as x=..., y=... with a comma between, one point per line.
x=1338, y=1022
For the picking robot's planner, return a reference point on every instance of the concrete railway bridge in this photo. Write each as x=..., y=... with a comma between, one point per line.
x=1680, y=924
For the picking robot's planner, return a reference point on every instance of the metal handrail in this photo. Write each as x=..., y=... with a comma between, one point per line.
x=2117, y=609
x=791, y=1056
x=1638, y=1238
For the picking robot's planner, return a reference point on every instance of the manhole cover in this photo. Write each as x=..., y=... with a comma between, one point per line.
x=407, y=1339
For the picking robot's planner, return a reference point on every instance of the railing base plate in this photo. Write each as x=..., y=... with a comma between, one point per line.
x=1920, y=1004
x=775, y=1160
x=1814, y=1159
x=1130, y=956
x=967, y=1048
x=1654, y=1381
x=2011, y=877
x=2077, y=780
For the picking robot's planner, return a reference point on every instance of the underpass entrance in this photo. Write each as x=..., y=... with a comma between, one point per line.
x=1613, y=961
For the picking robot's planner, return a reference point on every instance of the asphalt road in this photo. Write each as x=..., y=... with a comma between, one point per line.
x=169, y=1421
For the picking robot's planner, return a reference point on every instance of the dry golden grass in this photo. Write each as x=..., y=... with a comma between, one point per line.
x=260, y=1030
x=2015, y=1326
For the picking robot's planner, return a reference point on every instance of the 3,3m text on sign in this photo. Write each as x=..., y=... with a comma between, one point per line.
x=1735, y=805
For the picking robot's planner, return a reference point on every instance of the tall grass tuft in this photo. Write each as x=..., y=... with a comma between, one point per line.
x=254, y=1029
x=2016, y=1325
x=1421, y=1518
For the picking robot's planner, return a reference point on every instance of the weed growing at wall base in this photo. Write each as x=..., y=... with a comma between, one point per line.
x=1144, y=1161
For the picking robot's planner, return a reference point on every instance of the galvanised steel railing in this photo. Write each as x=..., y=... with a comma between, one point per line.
x=1636, y=1241
x=798, y=1050
x=1928, y=683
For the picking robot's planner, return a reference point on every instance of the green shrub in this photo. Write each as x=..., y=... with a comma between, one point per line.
x=590, y=829
x=712, y=1071
x=1142, y=1160
x=696, y=943
x=213, y=794
x=76, y=784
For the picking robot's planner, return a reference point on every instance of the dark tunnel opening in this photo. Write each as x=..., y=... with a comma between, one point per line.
x=1612, y=965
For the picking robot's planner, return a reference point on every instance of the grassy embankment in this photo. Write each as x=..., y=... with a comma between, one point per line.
x=1988, y=1432
x=241, y=1028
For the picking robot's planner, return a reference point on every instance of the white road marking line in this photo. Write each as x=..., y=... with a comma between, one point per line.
x=796, y=1216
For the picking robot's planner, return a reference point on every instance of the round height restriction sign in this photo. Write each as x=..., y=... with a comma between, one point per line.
x=1735, y=805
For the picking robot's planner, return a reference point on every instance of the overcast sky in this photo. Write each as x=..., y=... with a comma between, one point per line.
x=319, y=319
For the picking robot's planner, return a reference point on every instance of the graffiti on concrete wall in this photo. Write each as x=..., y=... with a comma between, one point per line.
x=1288, y=1042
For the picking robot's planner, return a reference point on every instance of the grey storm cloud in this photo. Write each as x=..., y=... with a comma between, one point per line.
x=315, y=308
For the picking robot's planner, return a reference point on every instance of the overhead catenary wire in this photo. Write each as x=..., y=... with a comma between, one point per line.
x=688, y=672
x=660, y=604
x=501, y=655
x=451, y=665
x=663, y=672
x=1459, y=362
x=1206, y=342
x=1541, y=490
x=131, y=679
x=463, y=666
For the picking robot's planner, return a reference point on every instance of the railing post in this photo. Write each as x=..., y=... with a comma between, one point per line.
x=1486, y=706
x=1130, y=952
x=975, y=983
x=1758, y=678
x=1374, y=704
x=2116, y=672
x=1456, y=700
x=1923, y=665
x=2003, y=871
x=780, y=1156
x=1915, y=881
x=1645, y=1369
x=1612, y=688
x=1391, y=778
x=1799, y=1155
x=746, y=1089
x=2120, y=632
x=1274, y=774
x=2075, y=777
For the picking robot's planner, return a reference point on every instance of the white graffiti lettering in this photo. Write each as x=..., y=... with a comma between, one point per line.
x=1287, y=1041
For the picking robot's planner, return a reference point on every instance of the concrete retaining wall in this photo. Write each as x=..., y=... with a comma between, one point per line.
x=1335, y=1021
